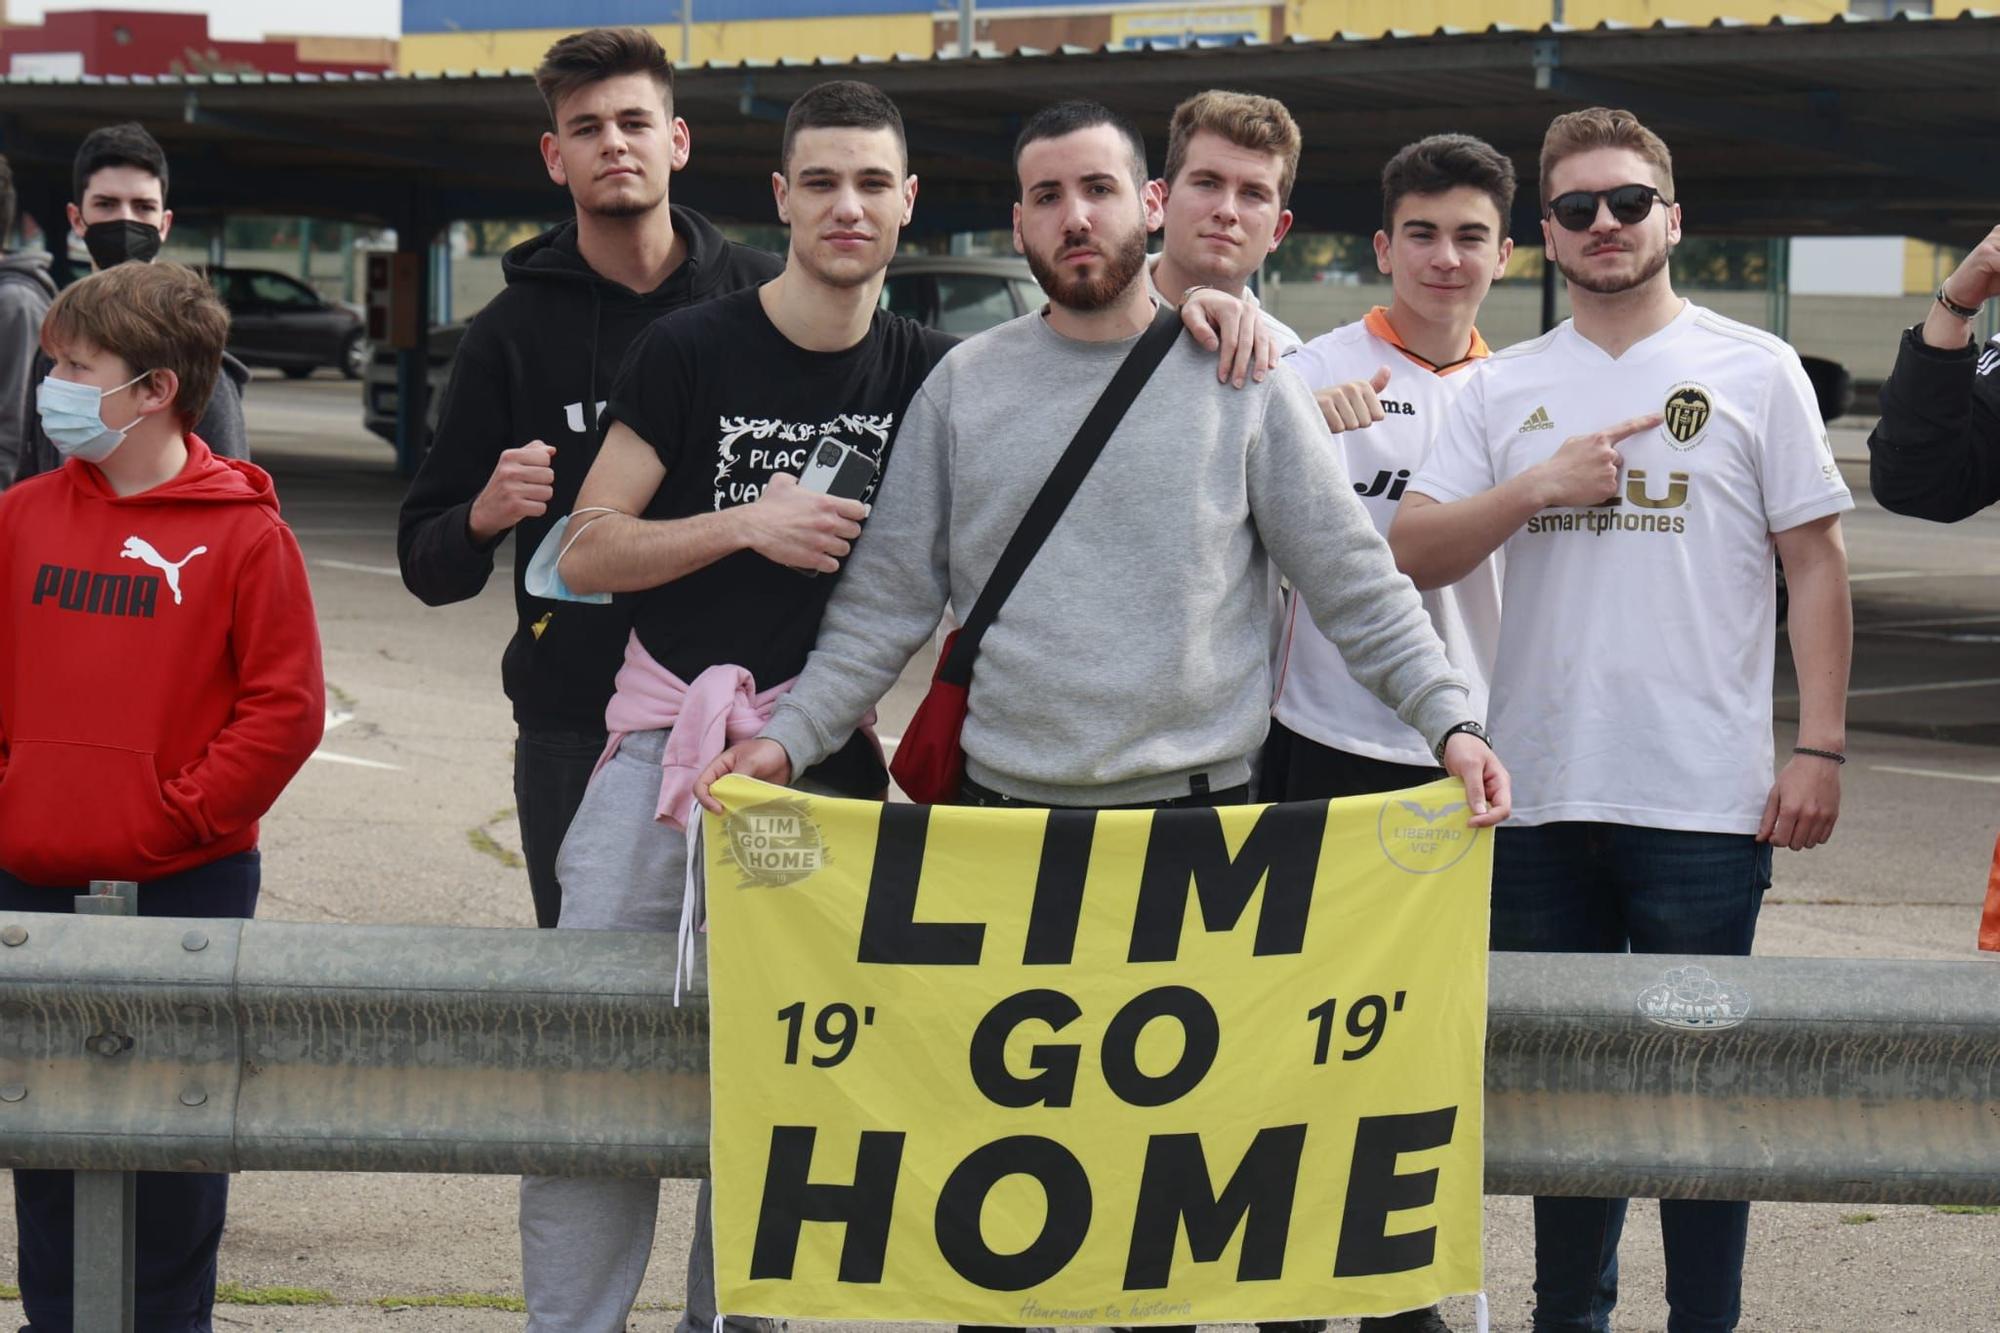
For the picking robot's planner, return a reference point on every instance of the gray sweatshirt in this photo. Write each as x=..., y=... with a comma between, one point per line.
x=25, y=293
x=1134, y=652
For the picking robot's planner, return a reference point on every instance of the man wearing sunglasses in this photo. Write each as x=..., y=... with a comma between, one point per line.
x=1632, y=682
x=1935, y=453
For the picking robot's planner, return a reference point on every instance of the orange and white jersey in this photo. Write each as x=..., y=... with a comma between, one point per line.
x=1313, y=693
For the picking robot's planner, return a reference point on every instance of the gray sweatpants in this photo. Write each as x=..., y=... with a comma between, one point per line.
x=585, y=1240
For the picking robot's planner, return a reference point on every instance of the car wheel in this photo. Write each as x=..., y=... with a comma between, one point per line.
x=297, y=372
x=354, y=356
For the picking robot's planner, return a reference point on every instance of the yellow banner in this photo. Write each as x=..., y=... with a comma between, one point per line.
x=1015, y=1067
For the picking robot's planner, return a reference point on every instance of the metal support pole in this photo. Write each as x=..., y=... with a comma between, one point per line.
x=1548, y=294
x=218, y=248
x=105, y=1201
x=413, y=364
x=967, y=21
x=306, y=251
x=687, y=32
x=1778, y=286
x=347, y=261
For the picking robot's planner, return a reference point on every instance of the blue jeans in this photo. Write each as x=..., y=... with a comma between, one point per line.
x=179, y=1214
x=1612, y=888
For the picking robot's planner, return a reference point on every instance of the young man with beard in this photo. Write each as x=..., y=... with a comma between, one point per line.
x=1632, y=683
x=521, y=421
x=1231, y=161
x=120, y=212
x=1443, y=243
x=694, y=506
x=1134, y=584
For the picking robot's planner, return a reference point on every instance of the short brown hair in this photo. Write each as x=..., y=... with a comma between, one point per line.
x=1576, y=132
x=151, y=316
x=1260, y=124
x=597, y=54
x=1445, y=162
x=843, y=104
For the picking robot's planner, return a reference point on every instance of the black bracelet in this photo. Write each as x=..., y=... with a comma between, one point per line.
x=1963, y=312
x=1834, y=755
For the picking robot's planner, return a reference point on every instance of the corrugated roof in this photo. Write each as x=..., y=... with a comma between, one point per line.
x=1786, y=126
x=1785, y=22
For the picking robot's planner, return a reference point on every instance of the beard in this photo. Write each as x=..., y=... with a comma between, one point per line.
x=1123, y=259
x=1610, y=285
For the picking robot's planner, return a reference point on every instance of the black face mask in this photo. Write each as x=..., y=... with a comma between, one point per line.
x=112, y=243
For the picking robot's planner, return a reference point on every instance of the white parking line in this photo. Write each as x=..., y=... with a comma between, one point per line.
x=1929, y=622
x=1993, y=778
x=336, y=718
x=1925, y=688
x=332, y=758
x=1885, y=575
x=389, y=571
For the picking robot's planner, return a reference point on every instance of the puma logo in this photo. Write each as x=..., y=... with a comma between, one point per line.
x=138, y=548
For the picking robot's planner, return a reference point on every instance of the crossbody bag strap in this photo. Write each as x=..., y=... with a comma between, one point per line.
x=1056, y=493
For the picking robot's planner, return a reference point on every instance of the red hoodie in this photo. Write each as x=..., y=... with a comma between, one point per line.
x=159, y=670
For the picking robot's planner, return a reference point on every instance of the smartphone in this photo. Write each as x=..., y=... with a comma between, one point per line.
x=839, y=470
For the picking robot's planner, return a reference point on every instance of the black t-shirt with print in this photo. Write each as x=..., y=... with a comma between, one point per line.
x=726, y=401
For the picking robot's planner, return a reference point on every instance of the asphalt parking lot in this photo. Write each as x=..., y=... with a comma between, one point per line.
x=405, y=815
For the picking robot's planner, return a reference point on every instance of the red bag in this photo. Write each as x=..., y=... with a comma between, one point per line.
x=930, y=763
x=1989, y=925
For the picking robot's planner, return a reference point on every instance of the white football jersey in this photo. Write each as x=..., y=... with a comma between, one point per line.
x=1314, y=695
x=1633, y=679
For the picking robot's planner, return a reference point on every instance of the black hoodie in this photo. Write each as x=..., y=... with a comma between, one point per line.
x=537, y=364
x=1935, y=453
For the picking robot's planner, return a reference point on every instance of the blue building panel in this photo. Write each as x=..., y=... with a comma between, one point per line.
x=421, y=16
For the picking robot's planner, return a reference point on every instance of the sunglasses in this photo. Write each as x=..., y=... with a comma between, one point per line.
x=1577, y=210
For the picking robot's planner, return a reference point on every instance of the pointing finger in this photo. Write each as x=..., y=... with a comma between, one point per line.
x=1626, y=429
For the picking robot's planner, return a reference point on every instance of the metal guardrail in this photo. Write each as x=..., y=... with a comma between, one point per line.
x=157, y=1044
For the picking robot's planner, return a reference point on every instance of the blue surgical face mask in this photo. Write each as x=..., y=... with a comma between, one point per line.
x=543, y=577
x=73, y=418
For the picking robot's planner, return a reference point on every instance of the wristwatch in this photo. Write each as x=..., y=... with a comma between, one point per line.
x=1469, y=728
x=1962, y=311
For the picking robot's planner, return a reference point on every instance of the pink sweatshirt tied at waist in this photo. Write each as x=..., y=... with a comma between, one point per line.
x=723, y=707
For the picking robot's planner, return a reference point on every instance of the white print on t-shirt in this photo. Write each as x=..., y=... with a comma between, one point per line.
x=573, y=415
x=751, y=449
x=138, y=548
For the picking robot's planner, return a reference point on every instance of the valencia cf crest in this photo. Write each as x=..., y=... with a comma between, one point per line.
x=1687, y=411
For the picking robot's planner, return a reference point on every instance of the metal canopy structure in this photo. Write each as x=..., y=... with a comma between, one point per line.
x=1787, y=128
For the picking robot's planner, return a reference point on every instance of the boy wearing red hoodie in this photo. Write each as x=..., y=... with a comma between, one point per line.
x=159, y=685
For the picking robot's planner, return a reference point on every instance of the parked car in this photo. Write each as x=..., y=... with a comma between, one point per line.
x=956, y=293
x=276, y=320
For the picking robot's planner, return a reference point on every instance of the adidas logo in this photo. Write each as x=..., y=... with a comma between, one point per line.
x=1538, y=420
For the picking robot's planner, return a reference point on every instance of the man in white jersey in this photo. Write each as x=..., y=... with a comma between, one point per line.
x=1632, y=684
x=1443, y=243
x=1231, y=161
